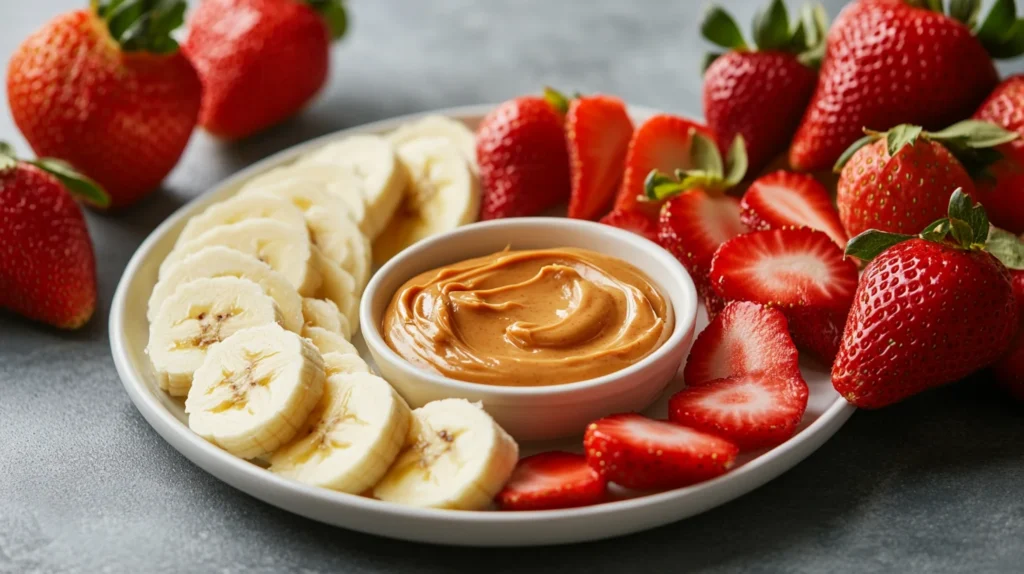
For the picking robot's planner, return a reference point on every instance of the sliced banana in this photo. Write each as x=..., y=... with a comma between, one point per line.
x=443, y=194
x=197, y=315
x=373, y=160
x=335, y=362
x=438, y=126
x=311, y=185
x=219, y=261
x=329, y=341
x=338, y=286
x=351, y=438
x=283, y=247
x=240, y=208
x=455, y=457
x=324, y=313
x=342, y=242
x=255, y=390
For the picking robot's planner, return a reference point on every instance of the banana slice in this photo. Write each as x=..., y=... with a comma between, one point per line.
x=338, y=286
x=342, y=242
x=455, y=457
x=351, y=438
x=324, y=313
x=285, y=248
x=240, y=208
x=439, y=127
x=329, y=341
x=315, y=184
x=443, y=194
x=218, y=261
x=373, y=160
x=255, y=390
x=200, y=313
x=335, y=362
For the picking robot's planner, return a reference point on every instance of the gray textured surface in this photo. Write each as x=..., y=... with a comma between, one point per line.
x=935, y=485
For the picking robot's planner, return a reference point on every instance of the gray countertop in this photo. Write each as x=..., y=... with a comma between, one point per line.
x=933, y=485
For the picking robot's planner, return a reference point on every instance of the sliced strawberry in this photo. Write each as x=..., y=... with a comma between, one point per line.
x=693, y=225
x=552, y=480
x=744, y=338
x=800, y=270
x=661, y=143
x=753, y=411
x=637, y=452
x=786, y=199
x=634, y=221
x=599, y=131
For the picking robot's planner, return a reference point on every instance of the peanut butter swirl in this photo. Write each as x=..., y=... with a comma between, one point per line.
x=527, y=318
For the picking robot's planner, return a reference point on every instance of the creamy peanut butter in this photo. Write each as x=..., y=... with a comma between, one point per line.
x=527, y=318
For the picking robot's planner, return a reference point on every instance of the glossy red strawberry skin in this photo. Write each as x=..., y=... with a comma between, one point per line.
x=258, y=78
x=123, y=119
x=693, y=225
x=1009, y=369
x=786, y=199
x=1002, y=194
x=634, y=221
x=925, y=314
x=759, y=95
x=551, y=480
x=799, y=270
x=902, y=193
x=621, y=448
x=889, y=63
x=523, y=158
x=743, y=338
x=599, y=132
x=47, y=266
x=662, y=143
x=752, y=411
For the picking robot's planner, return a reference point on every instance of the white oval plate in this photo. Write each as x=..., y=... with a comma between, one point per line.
x=129, y=332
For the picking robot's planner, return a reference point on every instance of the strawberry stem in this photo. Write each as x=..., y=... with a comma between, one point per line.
x=556, y=100
x=142, y=25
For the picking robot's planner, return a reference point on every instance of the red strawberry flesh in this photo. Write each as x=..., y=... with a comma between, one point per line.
x=599, y=134
x=552, y=480
x=785, y=199
x=692, y=227
x=634, y=221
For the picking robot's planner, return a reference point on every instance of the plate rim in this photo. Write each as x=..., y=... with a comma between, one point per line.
x=266, y=486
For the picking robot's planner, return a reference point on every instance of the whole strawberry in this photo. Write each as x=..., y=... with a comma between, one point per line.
x=1009, y=369
x=899, y=181
x=107, y=90
x=1001, y=189
x=929, y=310
x=761, y=92
x=523, y=159
x=260, y=61
x=892, y=62
x=47, y=267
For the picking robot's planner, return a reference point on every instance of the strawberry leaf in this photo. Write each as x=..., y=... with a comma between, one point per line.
x=937, y=231
x=771, y=27
x=77, y=184
x=721, y=30
x=872, y=243
x=556, y=100
x=736, y=162
x=965, y=11
x=8, y=157
x=1002, y=33
x=974, y=134
x=658, y=186
x=143, y=25
x=962, y=232
x=899, y=136
x=334, y=15
x=962, y=209
x=1006, y=247
x=704, y=155
x=845, y=157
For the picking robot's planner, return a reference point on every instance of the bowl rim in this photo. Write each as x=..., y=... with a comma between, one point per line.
x=684, y=320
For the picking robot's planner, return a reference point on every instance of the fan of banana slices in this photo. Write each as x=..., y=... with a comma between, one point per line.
x=252, y=317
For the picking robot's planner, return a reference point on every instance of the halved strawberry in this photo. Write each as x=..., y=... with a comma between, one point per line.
x=637, y=452
x=661, y=143
x=552, y=480
x=753, y=410
x=799, y=270
x=744, y=338
x=786, y=199
x=599, y=131
x=632, y=220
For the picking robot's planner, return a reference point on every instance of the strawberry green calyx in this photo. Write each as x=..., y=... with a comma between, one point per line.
x=559, y=101
x=334, y=14
x=1001, y=32
x=772, y=32
x=142, y=25
x=710, y=172
x=972, y=142
x=76, y=184
x=965, y=227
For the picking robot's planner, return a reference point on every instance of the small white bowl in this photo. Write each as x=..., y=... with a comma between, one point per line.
x=544, y=412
